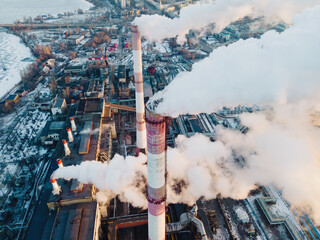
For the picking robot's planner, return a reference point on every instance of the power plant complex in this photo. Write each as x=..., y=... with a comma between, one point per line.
x=98, y=129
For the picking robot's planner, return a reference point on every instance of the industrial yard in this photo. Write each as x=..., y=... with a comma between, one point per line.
x=84, y=99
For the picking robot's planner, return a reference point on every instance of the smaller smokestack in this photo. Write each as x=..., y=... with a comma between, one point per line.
x=56, y=188
x=70, y=136
x=59, y=162
x=66, y=147
x=137, y=66
x=73, y=124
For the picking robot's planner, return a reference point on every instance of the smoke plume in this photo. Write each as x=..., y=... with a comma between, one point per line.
x=122, y=177
x=277, y=68
x=89, y=130
x=219, y=12
x=281, y=148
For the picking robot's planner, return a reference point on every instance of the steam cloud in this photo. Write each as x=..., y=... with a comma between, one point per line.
x=89, y=130
x=198, y=167
x=282, y=146
x=122, y=177
x=219, y=12
x=274, y=69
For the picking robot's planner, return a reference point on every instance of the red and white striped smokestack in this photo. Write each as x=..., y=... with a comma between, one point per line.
x=66, y=147
x=137, y=65
x=70, y=136
x=156, y=145
x=55, y=187
x=59, y=162
x=73, y=124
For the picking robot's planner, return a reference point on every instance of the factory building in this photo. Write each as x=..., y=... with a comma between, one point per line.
x=122, y=73
x=77, y=221
x=74, y=212
x=59, y=107
x=51, y=132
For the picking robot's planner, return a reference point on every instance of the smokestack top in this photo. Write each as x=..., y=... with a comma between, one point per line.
x=64, y=141
x=71, y=119
x=53, y=180
x=134, y=29
x=68, y=129
x=59, y=160
x=152, y=117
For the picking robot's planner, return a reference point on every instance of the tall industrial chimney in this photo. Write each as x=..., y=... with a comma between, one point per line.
x=70, y=136
x=156, y=135
x=66, y=147
x=59, y=162
x=73, y=124
x=137, y=65
x=56, y=188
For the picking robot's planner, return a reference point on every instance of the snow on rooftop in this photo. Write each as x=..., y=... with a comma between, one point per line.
x=241, y=214
x=79, y=61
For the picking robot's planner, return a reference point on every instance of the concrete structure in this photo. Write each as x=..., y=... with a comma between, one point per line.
x=73, y=124
x=51, y=62
x=272, y=219
x=185, y=219
x=74, y=69
x=66, y=147
x=13, y=98
x=75, y=39
x=122, y=73
x=55, y=187
x=137, y=59
x=70, y=136
x=50, y=133
x=85, y=138
x=59, y=107
x=76, y=221
x=59, y=162
x=156, y=135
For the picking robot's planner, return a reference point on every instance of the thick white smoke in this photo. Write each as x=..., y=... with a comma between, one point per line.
x=281, y=148
x=123, y=177
x=277, y=68
x=219, y=12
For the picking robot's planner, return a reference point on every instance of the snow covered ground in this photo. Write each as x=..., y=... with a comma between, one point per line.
x=14, y=56
x=19, y=144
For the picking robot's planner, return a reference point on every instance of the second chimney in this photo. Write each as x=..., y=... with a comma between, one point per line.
x=56, y=188
x=59, y=162
x=66, y=147
x=73, y=124
x=70, y=136
x=137, y=65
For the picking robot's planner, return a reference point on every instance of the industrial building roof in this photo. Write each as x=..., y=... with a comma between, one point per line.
x=90, y=105
x=58, y=103
x=74, y=37
x=85, y=138
x=75, y=222
x=122, y=71
x=59, y=125
x=12, y=97
x=52, y=127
